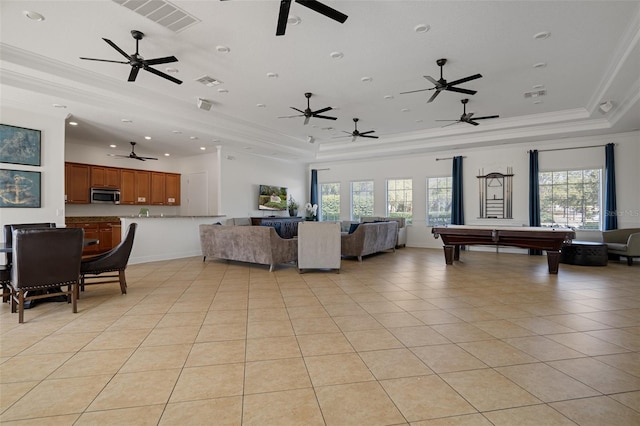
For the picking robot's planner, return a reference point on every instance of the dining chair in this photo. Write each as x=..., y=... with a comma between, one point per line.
x=115, y=260
x=5, y=270
x=45, y=259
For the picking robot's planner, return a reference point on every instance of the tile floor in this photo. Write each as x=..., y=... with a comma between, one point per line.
x=398, y=339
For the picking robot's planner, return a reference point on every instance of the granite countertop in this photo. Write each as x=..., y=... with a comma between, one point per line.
x=91, y=219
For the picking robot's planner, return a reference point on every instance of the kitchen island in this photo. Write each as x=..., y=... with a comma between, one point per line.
x=166, y=237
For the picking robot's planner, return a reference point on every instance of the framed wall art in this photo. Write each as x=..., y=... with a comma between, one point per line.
x=19, y=188
x=19, y=145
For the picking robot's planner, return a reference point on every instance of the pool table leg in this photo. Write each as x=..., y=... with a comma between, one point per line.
x=449, y=254
x=553, y=259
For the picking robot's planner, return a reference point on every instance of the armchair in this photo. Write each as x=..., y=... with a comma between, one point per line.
x=623, y=242
x=45, y=259
x=115, y=260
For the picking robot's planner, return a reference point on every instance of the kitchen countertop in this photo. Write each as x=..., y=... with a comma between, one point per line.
x=91, y=219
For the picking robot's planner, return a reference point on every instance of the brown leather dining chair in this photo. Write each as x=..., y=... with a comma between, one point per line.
x=5, y=270
x=45, y=259
x=115, y=260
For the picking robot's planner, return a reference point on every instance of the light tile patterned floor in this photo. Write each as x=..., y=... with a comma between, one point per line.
x=398, y=339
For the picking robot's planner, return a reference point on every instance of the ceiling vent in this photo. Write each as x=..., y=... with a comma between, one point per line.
x=162, y=12
x=535, y=94
x=208, y=81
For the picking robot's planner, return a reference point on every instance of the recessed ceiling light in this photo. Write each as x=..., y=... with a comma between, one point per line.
x=272, y=75
x=336, y=55
x=405, y=110
x=73, y=123
x=366, y=79
x=177, y=132
x=418, y=121
x=260, y=105
x=126, y=120
x=248, y=148
x=34, y=16
x=193, y=138
x=293, y=20
x=223, y=49
x=537, y=102
x=203, y=148
x=223, y=91
x=59, y=106
x=171, y=70
x=388, y=97
x=148, y=138
x=113, y=146
x=540, y=65
x=215, y=140
x=538, y=87
x=327, y=128
x=166, y=154
x=421, y=28
x=542, y=35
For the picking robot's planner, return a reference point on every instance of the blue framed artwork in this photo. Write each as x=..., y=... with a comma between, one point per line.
x=19, y=188
x=19, y=145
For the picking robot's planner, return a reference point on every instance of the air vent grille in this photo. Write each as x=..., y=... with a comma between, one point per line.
x=535, y=94
x=208, y=81
x=162, y=12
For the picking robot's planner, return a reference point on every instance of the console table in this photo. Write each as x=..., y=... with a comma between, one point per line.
x=288, y=225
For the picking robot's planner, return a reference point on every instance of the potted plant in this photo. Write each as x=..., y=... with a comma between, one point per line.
x=293, y=207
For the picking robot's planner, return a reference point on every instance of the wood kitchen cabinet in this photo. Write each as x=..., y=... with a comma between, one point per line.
x=76, y=183
x=172, y=189
x=143, y=187
x=158, y=182
x=107, y=233
x=105, y=177
x=127, y=186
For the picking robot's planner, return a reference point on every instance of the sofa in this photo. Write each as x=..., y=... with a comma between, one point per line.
x=369, y=238
x=402, y=228
x=255, y=244
x=623, y=242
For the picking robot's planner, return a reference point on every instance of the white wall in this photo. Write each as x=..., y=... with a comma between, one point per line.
x=486, y=160
x=242, y=174
x=51, y=169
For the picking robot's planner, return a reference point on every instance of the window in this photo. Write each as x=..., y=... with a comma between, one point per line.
x=361, y=199
x=439, y=201
x=400, y=198
x=570, y=198
x=330, y=201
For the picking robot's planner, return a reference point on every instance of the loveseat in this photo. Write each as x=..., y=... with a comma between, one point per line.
x=402, y=228
x=623, y=242
x=255, y=244
x=369, y=238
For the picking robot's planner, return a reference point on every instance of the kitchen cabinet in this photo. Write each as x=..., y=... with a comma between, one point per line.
x=104, y=232
x=158, y=182
x=172, y=189
x=76, y=183
x=143, y=187
x=127, y=186
x=105, y=177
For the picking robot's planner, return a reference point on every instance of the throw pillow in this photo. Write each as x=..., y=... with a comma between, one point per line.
x=275, y=225
x=353, y=227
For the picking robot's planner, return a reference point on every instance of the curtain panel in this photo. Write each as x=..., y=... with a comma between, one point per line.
x=610, y=207
x=534, y=195
x=457, y=207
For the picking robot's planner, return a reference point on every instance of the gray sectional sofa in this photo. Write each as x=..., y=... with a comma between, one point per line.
x=369, y=238
x=255, y=244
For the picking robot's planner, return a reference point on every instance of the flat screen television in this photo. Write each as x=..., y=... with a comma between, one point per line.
x=272, y=198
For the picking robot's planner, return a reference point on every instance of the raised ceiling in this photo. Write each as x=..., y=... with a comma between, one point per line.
x=359, y=68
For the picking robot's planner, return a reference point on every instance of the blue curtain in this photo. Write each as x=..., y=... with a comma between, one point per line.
x=534, y=195
x=610, y=207
x=457, y=209
x=313, y=199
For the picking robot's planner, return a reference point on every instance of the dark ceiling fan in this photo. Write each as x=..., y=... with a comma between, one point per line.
x=311, y=4
x=133, y=154
x=468, y=118
x=307, y=113
x=442, y=84
x=355, y=134
x=137, y=62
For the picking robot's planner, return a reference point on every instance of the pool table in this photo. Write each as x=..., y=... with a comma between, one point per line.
x=549, y=239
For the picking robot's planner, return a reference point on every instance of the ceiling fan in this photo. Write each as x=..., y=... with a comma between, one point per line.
x=357, y=133
x=307, y=113
x=133, y=154
x=442, y=84
x=468, y=118
x=137, y=62
x=311, y=4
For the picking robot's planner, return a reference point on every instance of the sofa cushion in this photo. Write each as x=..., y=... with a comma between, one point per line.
x=617, y=246
x=353, y=227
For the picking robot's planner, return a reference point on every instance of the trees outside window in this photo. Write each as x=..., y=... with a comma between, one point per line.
x=400, y=198
x=571, y=198
x=361, y=199
x=439, y=201
x=330, y=201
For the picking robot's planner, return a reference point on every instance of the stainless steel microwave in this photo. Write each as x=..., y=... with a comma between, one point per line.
x=101, y=195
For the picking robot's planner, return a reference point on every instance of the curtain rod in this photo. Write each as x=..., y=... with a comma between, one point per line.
x=448, y=158
x=319, y=170
x=565, y=149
